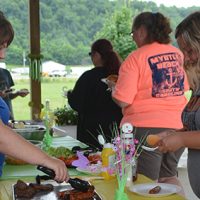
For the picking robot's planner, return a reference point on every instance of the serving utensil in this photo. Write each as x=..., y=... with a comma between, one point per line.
x=76, y=183
x=149, y=148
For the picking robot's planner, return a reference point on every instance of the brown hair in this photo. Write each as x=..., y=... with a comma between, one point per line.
x=157, y=27
x=110, y=58
x=189, y=31
x=6, y=30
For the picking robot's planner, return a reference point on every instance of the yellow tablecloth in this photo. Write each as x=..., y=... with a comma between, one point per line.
x=106, y=189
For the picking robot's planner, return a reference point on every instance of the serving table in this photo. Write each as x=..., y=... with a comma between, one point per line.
x=105, y=188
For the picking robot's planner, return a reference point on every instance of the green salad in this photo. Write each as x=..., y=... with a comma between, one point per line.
x=59, y=152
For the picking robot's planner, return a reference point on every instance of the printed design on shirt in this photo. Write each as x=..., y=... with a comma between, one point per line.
x=167, y=75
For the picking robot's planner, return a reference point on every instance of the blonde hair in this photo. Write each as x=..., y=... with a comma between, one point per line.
x=189, y=31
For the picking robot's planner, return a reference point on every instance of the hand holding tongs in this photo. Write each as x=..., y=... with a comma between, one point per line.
x=76, y=183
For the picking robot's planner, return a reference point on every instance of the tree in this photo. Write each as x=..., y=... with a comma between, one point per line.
x=117, y=29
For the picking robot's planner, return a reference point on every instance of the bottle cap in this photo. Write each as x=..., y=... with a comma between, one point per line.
x=108, y=145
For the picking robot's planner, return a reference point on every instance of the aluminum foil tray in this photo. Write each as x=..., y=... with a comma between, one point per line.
x=53, y=194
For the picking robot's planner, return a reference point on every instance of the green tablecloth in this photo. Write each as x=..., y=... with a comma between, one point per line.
x=17, y=171
x=21, y=171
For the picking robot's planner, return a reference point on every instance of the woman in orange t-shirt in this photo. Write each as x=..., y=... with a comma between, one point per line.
x=150, y=89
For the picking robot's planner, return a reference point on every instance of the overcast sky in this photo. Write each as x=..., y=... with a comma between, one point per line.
x=177, y=3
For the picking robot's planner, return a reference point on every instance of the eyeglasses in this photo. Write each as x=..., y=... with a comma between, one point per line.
x=131, y=33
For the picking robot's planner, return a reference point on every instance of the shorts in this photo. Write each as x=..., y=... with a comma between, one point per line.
x=156, y=164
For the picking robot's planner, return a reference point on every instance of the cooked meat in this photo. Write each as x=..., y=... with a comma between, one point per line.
x=21, y=185
x=25, y=193
x=64, y=195
x=155, y=190
x=38, y=187
x=77, y=195
x=22, y=190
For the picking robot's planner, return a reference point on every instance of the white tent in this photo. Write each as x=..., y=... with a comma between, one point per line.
x=77, y=71
x=50, y=66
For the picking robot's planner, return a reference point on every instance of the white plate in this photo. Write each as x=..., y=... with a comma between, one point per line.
x=88, y=170
x=166, y=189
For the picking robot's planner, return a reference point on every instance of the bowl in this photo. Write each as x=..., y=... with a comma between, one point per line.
x=37, y=143
x=31, y=132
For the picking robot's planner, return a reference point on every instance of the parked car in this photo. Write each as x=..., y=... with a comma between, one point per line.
x=58, y=73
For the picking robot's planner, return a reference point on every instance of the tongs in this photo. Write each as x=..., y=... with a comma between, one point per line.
x=76, y=183
x=89, y=149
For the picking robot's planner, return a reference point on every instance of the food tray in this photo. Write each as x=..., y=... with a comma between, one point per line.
x=31, y=132
x=53, y=194
x=30, y=128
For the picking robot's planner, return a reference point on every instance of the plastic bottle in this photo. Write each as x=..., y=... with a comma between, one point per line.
x=47, y=116
x=108, y=159
x=134, y=170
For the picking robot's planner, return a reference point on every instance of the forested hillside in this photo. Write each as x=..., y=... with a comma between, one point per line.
x=68, y=27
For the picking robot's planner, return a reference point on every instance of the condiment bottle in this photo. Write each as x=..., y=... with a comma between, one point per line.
x=108, y=159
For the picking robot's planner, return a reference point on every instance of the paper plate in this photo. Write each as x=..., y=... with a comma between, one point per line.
x=166, y=189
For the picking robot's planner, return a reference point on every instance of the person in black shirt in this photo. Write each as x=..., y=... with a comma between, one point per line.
x=90, y=97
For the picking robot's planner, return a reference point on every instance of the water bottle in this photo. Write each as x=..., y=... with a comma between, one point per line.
x=48, y=115
x=49, y=120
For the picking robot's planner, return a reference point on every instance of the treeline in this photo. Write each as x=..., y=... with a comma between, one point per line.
x=68, y=27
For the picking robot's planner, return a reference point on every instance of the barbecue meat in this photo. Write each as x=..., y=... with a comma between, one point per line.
x=77, y=195
x=22, y=190
x=38, y=187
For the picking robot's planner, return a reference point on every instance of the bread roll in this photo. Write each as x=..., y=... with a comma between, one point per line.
x=152, y=140
x=112, y=77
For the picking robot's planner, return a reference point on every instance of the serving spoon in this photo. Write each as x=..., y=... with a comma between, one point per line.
x=149, y=148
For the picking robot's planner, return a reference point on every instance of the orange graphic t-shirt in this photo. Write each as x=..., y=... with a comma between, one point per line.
x=152, y=81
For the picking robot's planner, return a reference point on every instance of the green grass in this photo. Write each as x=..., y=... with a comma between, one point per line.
x=51, y=89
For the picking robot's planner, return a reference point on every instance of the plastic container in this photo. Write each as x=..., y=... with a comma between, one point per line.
x=108, y=159
x=134, y=170
x=47, y=115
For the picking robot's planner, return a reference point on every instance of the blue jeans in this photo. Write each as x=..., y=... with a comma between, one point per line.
x=2, y=158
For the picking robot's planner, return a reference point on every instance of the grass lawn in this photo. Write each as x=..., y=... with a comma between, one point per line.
x=51, y=89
